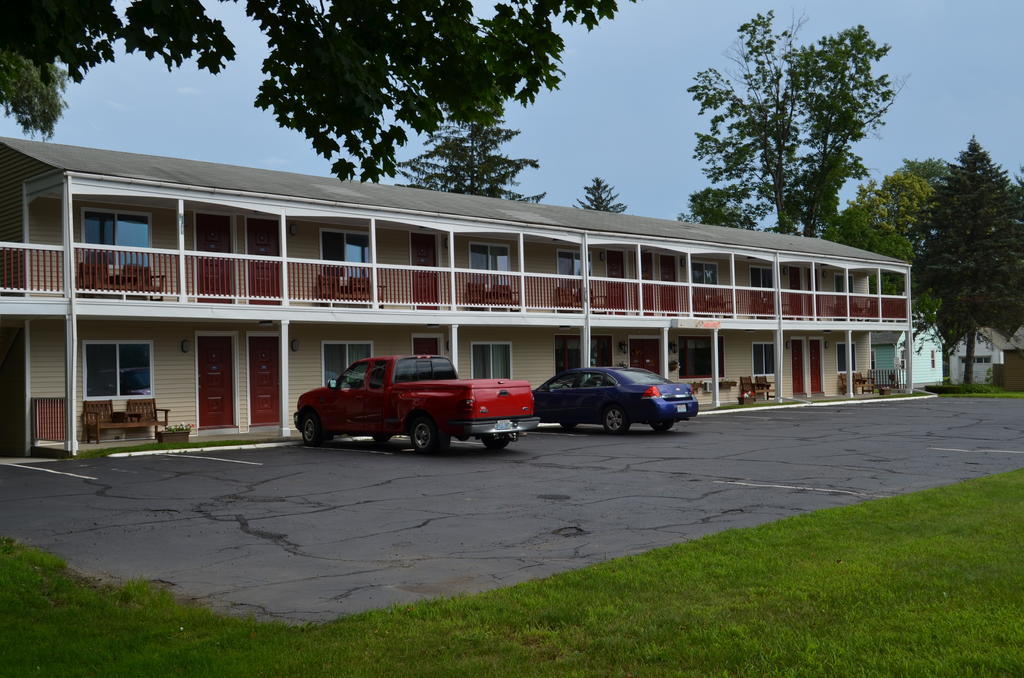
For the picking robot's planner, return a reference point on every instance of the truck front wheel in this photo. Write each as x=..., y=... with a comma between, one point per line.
x=312, y=430
x=425, y=437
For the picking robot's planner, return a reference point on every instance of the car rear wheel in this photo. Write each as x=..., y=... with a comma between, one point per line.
x=663, y=425
x=495, y=442
x=312, y=430
x=425, y=437
x=615, y=419
x=381, y=438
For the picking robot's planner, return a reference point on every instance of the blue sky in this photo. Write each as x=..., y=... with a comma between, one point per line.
x=622, y=112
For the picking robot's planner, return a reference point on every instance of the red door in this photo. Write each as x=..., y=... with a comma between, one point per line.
x=616, y=297
x=425, y=284
x=794, y=278
x=669, y=293
x=802, y=305
x=814, y=359
x=264, y=381
x=426, y=346
x=798, y=365
x=644, y=353
x=263, y=238
x=216, y=381
x=213, y=275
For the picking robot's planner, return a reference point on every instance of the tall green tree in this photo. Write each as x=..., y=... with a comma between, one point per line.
x=720, y=207
x=784, y=122
x=465, y=157
x=973, y=256
x=33, y=96
x=600, y=196
x=351, y=76
x=932, y=170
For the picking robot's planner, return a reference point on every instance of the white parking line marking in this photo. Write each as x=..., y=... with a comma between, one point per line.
x=192, y=456
x=46, y=470
x=796, y=487
x=957, y=449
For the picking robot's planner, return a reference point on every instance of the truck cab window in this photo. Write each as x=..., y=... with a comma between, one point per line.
x=353, y=377
x=376, y=379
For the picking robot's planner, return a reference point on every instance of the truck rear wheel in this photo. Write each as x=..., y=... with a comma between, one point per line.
x=312, y=430
x=425, y=437
x=494, y=441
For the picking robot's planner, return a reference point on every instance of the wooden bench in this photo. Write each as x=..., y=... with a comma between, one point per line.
x=98, y=415
x=763, y=387
x=865, y=384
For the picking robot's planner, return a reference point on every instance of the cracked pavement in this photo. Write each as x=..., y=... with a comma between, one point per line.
x=308, y=534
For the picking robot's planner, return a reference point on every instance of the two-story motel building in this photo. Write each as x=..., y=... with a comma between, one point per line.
x=224, y=292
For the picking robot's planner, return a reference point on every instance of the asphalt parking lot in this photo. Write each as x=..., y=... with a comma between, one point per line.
x=307, y=534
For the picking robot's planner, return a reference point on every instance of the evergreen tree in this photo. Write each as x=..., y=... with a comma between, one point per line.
x=465, y=157
x=973, y=256
x=599, y=196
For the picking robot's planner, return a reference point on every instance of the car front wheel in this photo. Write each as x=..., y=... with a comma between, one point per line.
x=615, y=420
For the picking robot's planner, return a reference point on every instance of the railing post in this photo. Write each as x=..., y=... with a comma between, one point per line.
x=732, y=280
x=451, y=271
x=879, y=290
x=522, y=275
x=182, y=287
x=282, y=228
x=689, y=283
x=640, y=279
x=814, y=291
x=374, y=285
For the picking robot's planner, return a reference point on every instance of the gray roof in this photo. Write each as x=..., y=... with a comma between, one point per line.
x=232, y=177
x=885, y=338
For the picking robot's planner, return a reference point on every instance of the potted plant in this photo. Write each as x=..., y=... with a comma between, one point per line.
x=747, y=398
x=174, y=433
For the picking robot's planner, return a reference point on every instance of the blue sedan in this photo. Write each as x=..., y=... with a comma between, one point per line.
x=613, y=397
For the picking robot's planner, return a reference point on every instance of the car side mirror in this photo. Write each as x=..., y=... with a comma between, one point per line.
x=332, y=384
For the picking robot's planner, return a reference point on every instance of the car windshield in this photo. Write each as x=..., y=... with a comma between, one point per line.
x=644, y=377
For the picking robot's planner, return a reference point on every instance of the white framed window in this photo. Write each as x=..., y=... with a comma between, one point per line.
x=492, y=361
x=841, y=357
x=117, y=369
x=874, y=360
x=344, y=246
x=761, y=276
x=763, y=359
x=837, y=283
x=567, y=262
x=337, y=355
x=488, y=257
x=704, y=272
x=125, y=229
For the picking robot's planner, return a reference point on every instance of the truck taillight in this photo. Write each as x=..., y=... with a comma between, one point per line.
x=652, y=392
x=467, y=404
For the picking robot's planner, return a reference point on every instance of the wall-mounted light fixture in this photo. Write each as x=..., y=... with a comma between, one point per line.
x=826, y=344
x=186, y=345
x=294, y=345
x=787, y=344
x=293, y=228
x=623, y=347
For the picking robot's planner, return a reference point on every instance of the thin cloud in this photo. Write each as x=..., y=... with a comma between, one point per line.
x=188, y=91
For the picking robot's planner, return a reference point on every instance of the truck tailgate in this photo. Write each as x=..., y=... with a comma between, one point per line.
x=501, y=398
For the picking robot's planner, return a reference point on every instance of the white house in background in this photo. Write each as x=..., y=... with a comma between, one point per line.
x=989, y=349
x=888, y=354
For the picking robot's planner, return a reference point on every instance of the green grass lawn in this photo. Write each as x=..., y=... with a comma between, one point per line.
x=999, y=394
x=929, y=584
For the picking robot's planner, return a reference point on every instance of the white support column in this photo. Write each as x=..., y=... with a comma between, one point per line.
x=779, y=345
x=847, y=290
x=688, y=277
x=814, y=291
x=282, y=236
x=284, y=349
x=640, y=278
x=374, y=286
x=910, y=337
x=453, y=346
x=522, y=275
x=665, y=372
x=451, y=268
x=732, y=280
x=28, y=388
x=585, y=296
x=70, y=323
x=878, y=289
x=849, y=363
x=182, y=287
x=715, y=376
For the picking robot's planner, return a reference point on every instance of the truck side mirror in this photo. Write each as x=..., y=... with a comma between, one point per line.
x=332, y=384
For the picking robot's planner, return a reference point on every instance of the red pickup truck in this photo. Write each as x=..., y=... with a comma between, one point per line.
x=419, y=396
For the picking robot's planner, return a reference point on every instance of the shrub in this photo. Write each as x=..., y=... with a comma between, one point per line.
x=962, y=388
